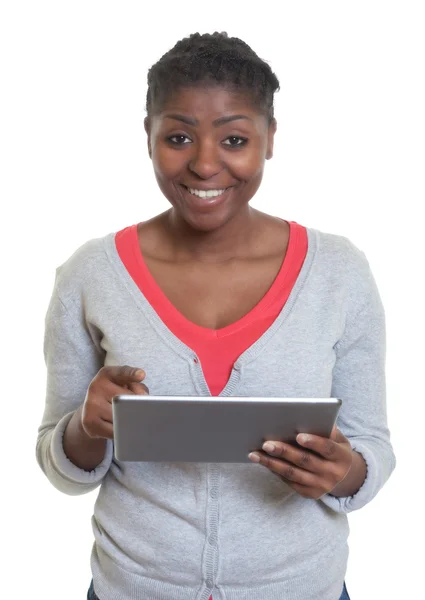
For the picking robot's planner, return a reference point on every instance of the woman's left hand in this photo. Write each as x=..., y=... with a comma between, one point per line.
x=312, y=470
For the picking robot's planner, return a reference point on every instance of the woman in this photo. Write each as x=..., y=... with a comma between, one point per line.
x=214, y=297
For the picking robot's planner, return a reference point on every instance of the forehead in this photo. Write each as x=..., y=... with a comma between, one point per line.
x=209, y=103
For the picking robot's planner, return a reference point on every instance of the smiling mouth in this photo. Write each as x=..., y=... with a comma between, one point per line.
x=206, y=198
x=206, y=193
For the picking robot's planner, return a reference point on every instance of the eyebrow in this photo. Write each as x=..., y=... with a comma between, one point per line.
x=216, y=123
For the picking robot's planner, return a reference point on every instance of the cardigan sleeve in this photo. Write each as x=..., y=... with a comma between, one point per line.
x=72, y=360
x=359, y=380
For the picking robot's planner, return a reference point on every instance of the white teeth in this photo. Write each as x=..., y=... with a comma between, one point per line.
x=204, y=194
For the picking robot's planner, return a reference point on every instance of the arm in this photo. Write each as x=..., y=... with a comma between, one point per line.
x=72, y=360
x=347, y=470
x=359, y=379
x=85, y=452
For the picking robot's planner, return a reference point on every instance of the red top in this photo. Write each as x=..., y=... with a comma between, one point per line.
x=217, y=349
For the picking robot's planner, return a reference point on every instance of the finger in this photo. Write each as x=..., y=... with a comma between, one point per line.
x=288, y=471
x=111, y=389
x=334, y=433
x=329, y=449
x=308, y=485
x=340, y=437
x=125, y=374
x=337, y=435
x=300, y=457
x=134, y=387
x=306, y=491
x=303, y=490
x=140, y=389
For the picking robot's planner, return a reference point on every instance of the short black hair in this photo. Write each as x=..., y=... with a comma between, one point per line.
x=212, y=59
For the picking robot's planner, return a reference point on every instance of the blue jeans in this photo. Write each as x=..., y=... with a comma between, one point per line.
x=92, y=596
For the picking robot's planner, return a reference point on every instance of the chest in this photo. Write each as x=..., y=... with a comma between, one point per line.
x=215, y=296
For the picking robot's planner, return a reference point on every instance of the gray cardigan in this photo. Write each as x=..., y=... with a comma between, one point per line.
x=181, y=531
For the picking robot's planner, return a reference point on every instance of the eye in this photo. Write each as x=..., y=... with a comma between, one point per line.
x=178, y=139
x=235, y=141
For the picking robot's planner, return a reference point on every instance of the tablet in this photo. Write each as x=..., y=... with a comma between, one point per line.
x=212, y=429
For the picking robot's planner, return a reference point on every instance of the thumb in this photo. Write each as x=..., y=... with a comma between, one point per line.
x=337, y=435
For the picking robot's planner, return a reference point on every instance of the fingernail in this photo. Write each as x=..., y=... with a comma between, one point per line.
x=269, y=447
x=302, y=438
x=254, y=457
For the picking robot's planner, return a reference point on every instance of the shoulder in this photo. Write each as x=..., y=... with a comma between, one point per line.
x=84, y=266
x=342, y=264
x=339, y=253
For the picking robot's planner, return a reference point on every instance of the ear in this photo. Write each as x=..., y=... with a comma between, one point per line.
x=147, y=124
x=270, y=139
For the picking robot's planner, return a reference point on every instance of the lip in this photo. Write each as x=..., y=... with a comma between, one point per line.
x=206, y=189
x=205, y=204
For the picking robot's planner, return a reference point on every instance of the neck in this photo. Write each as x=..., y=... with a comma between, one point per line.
x=234, y=239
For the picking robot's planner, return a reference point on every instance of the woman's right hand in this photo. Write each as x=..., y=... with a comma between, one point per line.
x=96, y=414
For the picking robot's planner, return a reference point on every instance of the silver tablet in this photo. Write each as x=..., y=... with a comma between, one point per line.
x=212, y=429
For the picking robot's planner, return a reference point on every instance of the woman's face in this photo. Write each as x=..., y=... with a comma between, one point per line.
x=208, y=148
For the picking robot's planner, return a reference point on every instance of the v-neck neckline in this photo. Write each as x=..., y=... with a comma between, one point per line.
x=182, y=349
x=165, y=306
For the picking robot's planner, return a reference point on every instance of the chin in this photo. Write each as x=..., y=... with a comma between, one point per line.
x=205, y=223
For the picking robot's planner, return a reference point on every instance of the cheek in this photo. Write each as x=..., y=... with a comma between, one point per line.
x=249, y=164
x=248, y=169
x=166, y=162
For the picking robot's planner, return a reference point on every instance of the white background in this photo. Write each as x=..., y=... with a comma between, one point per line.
x=349, y=159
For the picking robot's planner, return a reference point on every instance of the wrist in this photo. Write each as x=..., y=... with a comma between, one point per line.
x=82, y=450
x=78, y=420
x=354, y=479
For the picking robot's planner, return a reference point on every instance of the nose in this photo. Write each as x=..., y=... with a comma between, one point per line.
x=205, y=161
